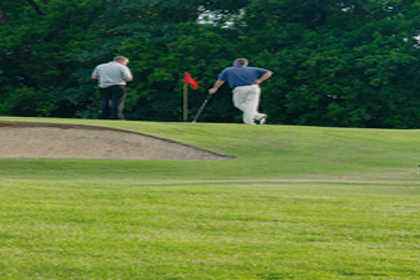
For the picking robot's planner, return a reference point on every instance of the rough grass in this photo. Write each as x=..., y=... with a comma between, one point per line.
x=296, y=203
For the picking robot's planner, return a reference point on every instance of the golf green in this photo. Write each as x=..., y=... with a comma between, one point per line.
x=292, y=203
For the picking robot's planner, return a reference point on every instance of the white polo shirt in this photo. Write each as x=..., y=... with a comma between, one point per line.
x=111, y=74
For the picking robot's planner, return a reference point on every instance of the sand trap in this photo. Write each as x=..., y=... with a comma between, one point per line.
x=42, y=140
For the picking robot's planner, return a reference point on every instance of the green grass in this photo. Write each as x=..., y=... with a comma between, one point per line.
x=295, y=203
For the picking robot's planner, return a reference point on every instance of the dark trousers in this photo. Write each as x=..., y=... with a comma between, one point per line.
x=113, y=98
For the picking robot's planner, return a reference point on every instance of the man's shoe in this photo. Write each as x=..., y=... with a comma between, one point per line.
x=263, y=119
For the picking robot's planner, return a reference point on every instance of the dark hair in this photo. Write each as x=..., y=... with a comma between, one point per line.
x=240, y=62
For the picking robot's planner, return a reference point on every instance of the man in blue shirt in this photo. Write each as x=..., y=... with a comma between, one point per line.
x=246, y=90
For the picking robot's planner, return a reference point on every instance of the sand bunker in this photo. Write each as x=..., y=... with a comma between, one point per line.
x=43, y=140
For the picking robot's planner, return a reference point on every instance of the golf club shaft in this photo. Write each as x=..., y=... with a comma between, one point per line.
x=202, y=107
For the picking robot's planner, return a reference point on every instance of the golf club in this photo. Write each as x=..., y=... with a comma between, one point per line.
x=202, y=107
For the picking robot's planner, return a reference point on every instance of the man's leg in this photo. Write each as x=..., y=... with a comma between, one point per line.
x=246, y=99
x=121, y=105
x=239, y=99
x=256, y=103
x=250, y=107
x=106, y=94
x=251, y=113
x=118, y=96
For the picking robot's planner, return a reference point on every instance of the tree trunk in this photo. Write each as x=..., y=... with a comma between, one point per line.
x=4, y=20
x=35, y=6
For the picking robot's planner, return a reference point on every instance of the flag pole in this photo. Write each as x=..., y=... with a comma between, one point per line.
x=185, y=102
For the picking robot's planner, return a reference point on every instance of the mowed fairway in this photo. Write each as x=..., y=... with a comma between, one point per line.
x=294, y=203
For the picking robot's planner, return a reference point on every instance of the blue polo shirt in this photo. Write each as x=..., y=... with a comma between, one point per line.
x=237, y=76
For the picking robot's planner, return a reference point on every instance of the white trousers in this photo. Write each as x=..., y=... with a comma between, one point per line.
x=247, y=99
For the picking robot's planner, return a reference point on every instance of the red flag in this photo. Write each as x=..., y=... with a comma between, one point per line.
x=189, y=80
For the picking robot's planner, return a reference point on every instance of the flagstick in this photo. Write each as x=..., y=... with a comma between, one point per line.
x=185, y=102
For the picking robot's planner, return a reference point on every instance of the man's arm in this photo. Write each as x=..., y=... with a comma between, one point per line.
x=127, y=75
x=94, y=75
x=264, y=77
x=216, y=86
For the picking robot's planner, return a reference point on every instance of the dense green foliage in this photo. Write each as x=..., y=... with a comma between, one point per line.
x=336, y=63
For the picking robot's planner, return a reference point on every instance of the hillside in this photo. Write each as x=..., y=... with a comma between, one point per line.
x=294, y=202
x=264, y=151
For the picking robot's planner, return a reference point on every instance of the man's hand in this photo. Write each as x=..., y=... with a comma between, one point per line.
x=263, y=78
x=216, y=86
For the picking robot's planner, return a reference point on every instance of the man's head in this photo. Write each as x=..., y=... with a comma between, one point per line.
x=240, y=62
x=121, y=59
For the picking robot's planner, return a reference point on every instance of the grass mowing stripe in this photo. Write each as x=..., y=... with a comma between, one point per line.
x=244, y=231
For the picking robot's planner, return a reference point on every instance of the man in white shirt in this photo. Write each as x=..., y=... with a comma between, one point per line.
x=112, y=78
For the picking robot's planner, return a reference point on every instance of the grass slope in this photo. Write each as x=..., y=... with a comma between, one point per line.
x=295, y=203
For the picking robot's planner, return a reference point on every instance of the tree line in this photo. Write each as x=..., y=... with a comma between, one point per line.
x=335, y=63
